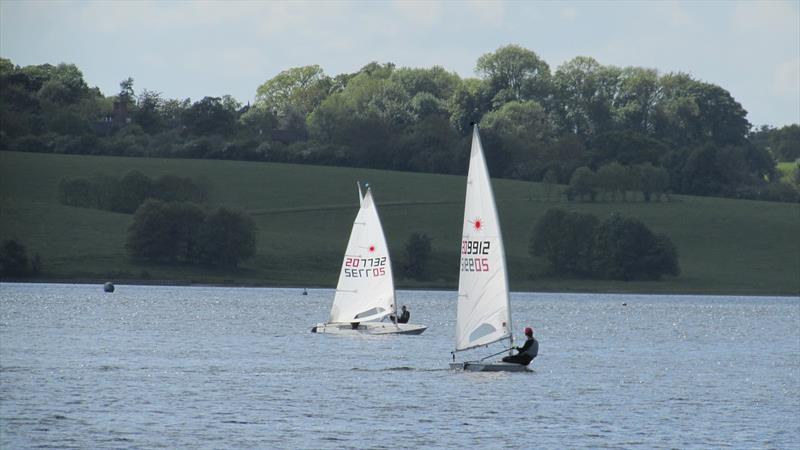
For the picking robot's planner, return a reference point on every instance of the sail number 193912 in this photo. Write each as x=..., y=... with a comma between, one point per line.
x=473, y=256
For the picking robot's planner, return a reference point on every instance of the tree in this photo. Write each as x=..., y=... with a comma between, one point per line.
x=613, y=178
x=259, y=121
x=639, y=95
x=64, y=86
x=13, y=259
x=212, y=115
x=652, y=180
x=785, y=143
x=523, y=128
x=514, y=73
x=625, y=147
x=431, y=145
x=582, y=184
x=695, y=113
x=367, y=117
x=584, y=91
x=565, y=240
x=126, y=94
x=149, y=112
x=297, y=90
x=165, y=231
x=471, y=99
x=131, y=191
x=226, y=238
x=435, y=81
x=424, y=105
x=417, y=256
x=625, y=249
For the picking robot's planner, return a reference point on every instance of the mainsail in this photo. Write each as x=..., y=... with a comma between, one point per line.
x=483, y=315
x=366, y=287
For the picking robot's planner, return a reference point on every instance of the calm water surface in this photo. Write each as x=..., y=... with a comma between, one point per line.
x=198, y=367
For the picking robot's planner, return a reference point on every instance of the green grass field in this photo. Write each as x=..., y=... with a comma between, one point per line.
x=304, y=214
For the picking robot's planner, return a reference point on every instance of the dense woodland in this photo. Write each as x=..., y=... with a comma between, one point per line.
x=598, y=128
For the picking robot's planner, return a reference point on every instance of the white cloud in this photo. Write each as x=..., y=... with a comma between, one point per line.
x=787, y=78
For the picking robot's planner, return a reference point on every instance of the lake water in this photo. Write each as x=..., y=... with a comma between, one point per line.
x=201, y=367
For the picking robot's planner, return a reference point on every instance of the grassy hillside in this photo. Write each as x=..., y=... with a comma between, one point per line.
x=304, y=214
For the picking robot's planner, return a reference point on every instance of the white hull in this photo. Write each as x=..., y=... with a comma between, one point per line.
x=496, y=366
x=371, y=328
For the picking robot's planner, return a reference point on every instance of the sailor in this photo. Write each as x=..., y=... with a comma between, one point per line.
x=527, y=352
x=405, y=315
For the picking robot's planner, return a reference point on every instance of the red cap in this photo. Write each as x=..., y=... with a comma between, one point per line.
x=528, y=331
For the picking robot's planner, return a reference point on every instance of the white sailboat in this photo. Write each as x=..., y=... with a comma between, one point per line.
x=483, y=312
x=365, y=294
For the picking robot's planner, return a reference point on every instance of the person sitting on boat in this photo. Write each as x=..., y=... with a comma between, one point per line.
x=404, y=315
x=527, y=352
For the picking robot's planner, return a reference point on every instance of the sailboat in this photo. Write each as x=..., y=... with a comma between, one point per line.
x=483, y=313
x=365, y=296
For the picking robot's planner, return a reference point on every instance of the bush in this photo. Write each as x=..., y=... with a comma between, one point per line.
x=417, y=255
x=13, y=259
x=163, y=231
x=183, y=232
x=131, y=191
x=565, y=240
x=618, y=248
x=226, y=238
x=625, y=249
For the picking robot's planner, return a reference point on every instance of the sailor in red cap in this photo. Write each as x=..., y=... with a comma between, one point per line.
x=527, y=352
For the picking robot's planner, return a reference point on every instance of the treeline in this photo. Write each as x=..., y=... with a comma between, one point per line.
x=535, y=121
x=614, y=181
x=618, y=248
x=184, y=232
x=126, y=194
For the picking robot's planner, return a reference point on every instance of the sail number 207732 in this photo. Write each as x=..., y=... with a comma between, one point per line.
x=364, y=267
x=472, y=256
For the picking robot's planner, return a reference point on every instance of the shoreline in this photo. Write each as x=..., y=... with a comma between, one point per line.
x=184, y=283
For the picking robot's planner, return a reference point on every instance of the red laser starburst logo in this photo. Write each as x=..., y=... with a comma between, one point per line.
x=477, y=224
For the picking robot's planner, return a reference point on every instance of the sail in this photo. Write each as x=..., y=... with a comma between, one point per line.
x=366, y=288
x=483, y=313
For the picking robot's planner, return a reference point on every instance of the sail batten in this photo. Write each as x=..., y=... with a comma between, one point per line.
x=483, y=315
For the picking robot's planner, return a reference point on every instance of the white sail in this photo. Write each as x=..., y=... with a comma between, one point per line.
x=366, y=287
x=483, y=313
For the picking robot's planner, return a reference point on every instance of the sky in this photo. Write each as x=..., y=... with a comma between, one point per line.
x=193, y=49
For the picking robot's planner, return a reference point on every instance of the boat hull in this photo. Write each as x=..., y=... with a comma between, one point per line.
x=369, y=328
x=496, y=366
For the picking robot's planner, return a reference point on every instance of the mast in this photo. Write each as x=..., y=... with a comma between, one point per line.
x=394, y=291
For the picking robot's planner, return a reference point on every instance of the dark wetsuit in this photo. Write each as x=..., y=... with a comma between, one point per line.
x=404, y=317
x=525, y=354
